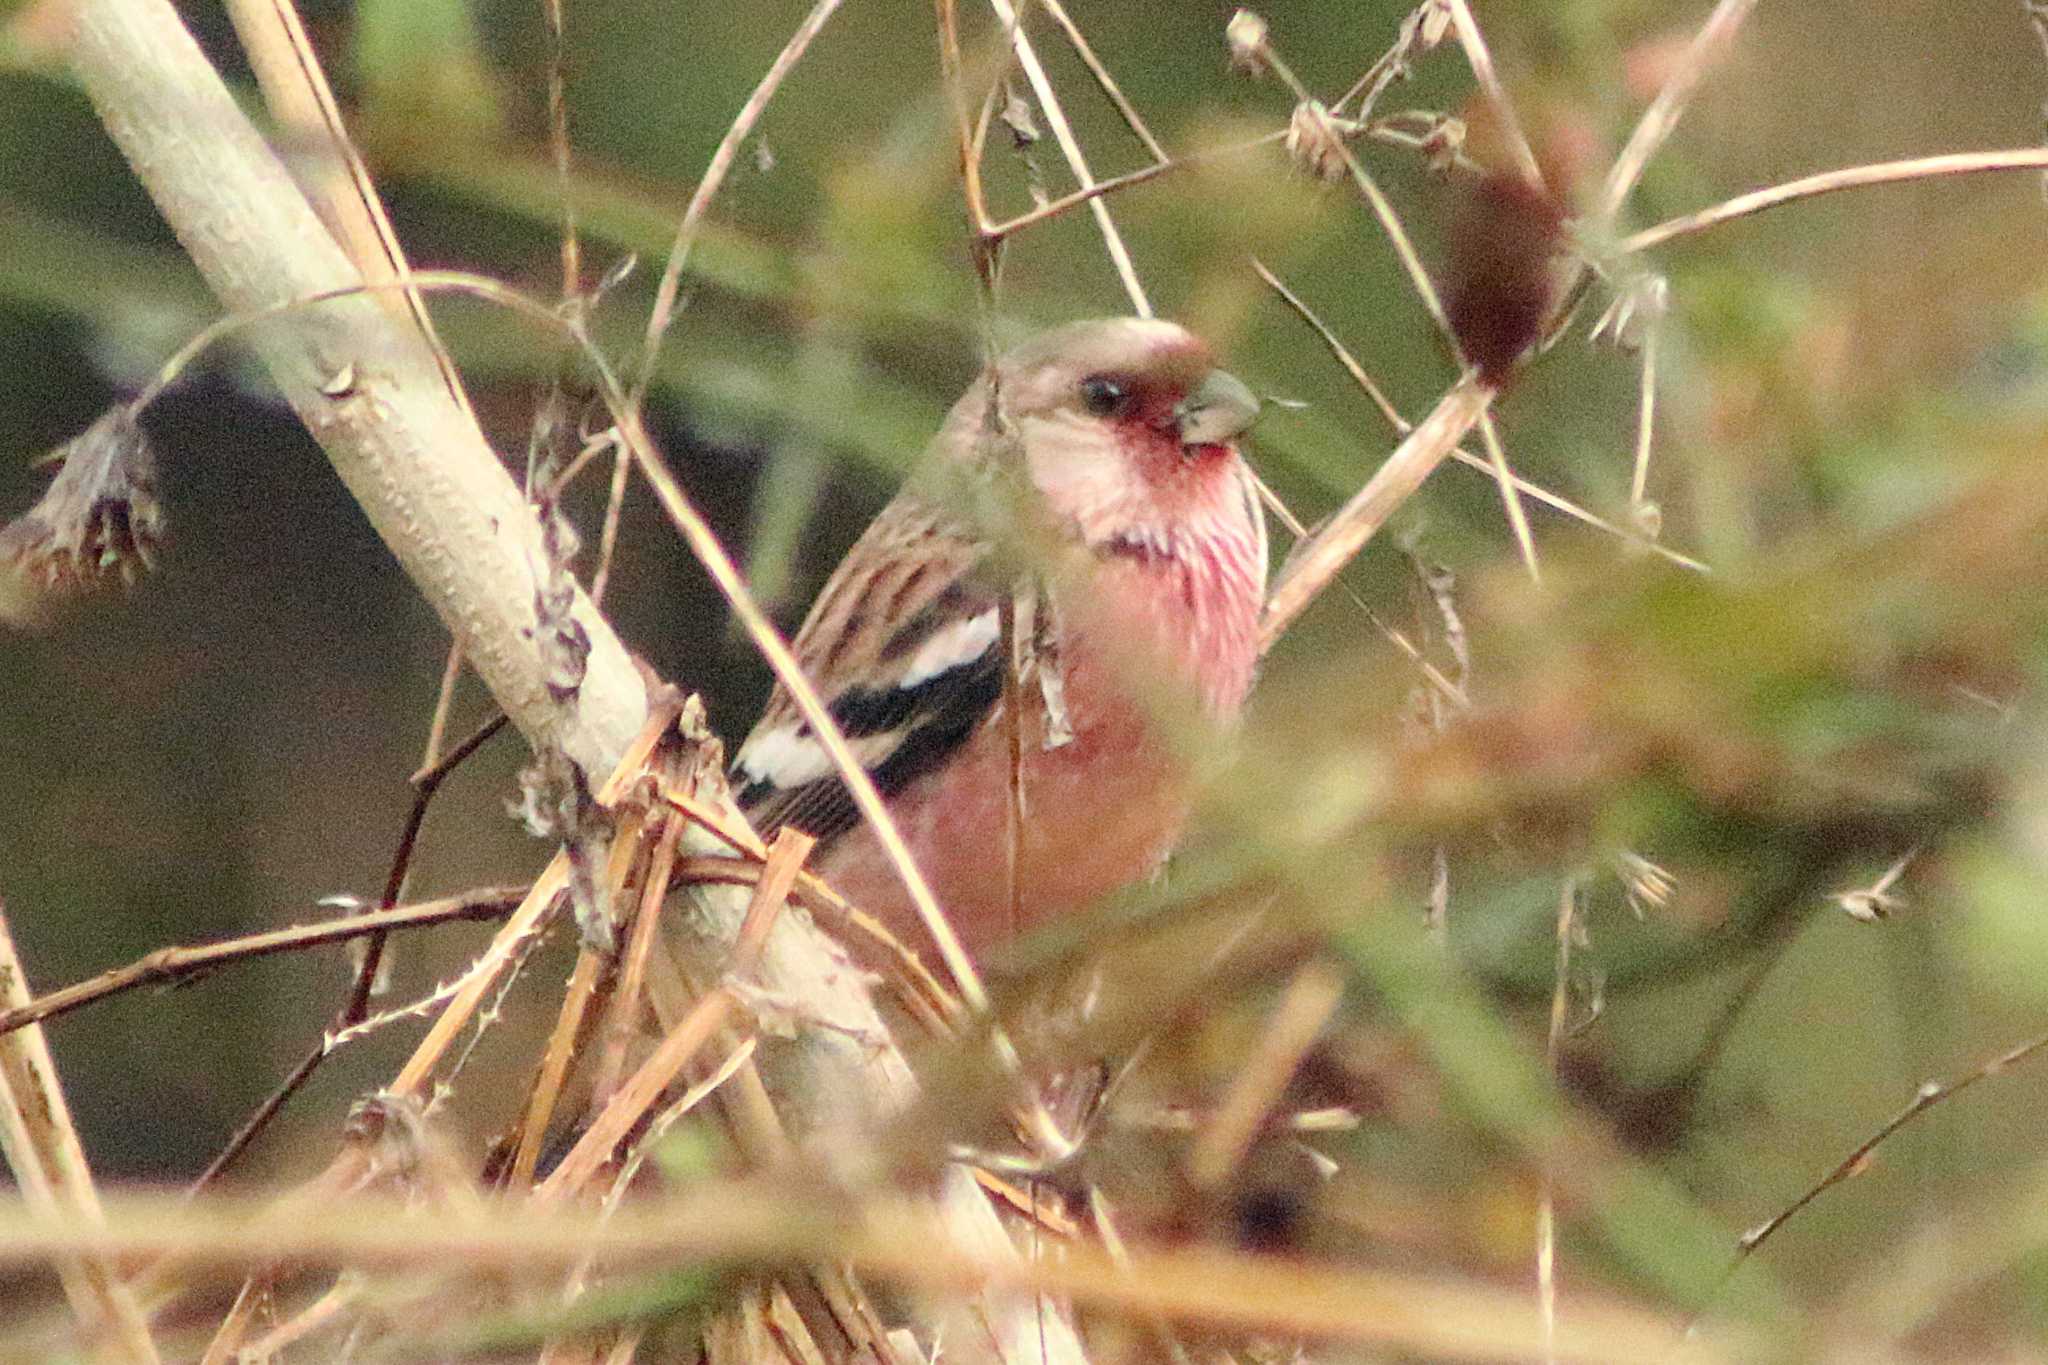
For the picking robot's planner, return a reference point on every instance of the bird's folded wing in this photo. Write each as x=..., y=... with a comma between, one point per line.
x=904, y=648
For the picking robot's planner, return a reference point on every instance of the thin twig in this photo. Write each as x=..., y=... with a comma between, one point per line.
x=608, y=537
x=171, y=966
x=560, y=149
x=1925, y=1097
x=1390, y=65
x=1079, y=42
x=663, y=312
x=1829, y=182
x=1061, y=205
x=947, y=16
x=1402, y=426
x=1382, y=208
x=356, y=1007
x=444, y=706
x=426, y=784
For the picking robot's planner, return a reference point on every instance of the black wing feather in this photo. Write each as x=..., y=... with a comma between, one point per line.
x=935, y=718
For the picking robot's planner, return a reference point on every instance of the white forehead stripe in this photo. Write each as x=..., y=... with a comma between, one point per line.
x=951, y=646
x=786, y=756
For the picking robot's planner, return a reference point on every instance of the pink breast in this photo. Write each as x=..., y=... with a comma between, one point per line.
x=1101, y=811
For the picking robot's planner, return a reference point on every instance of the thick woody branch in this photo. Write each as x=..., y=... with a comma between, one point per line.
x=367, y=390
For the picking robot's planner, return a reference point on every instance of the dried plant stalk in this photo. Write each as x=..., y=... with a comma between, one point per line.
x=42, y=1149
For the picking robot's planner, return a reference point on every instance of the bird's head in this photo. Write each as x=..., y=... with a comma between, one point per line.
x=1126, y=428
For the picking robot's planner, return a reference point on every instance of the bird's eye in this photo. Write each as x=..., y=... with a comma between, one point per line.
x=1103, y=396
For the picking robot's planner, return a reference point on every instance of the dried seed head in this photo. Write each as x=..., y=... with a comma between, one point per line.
x=100, y=520
x=1638, y=306
x=1432, y=20
x=1444, y=143
x=1645, y=883
x=1022, y=123
x=1647, y=517
x=1245, y=35
x=1313, y=142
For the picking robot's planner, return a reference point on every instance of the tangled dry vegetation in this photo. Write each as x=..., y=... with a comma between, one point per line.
x=1364, y=1077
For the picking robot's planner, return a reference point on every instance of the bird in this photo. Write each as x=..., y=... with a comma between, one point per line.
x=1137, y=588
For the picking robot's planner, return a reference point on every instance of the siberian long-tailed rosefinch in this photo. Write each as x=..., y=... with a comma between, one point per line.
x=1126, y=433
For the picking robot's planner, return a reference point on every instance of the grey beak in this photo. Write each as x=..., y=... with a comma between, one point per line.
x=1219, y=410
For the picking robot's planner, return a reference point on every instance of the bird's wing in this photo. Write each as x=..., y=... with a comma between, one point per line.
x=904, y=648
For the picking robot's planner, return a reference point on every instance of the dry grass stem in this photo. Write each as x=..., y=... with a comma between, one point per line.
x=1510, y=493
x=946, y=14
x=663, y=313
x=42, y=1150
x=631, y=1103
x=1317, y=561
x=1431, y=674
x=335, y=178
x=1707, y=47
x=1480, y=59
x=1830, y=182
x=507, y=944
x=555, y=1060
x=629, y=1000
x=1553, y=1057
x=1297, y=1020
x=1646, y=430
x=1070, y=148
x=896, y=1242
x=1079, y=42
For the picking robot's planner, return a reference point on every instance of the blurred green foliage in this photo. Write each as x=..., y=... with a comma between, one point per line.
x=1851, y=409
